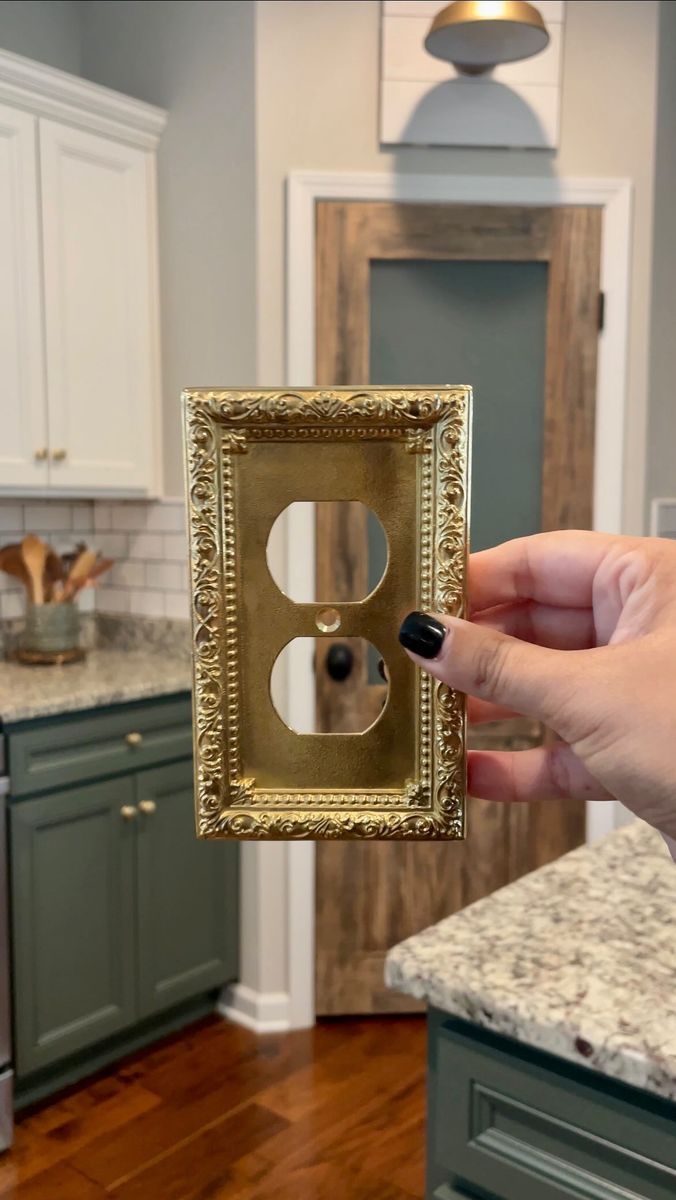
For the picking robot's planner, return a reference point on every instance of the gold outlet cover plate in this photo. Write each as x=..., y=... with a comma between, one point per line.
x=249, y=454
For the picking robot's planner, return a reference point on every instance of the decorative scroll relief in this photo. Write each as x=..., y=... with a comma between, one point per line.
x=431, y=424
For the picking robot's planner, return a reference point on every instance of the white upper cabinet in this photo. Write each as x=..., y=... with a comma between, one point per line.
x=79, y=344
x=23, y=413
x=98, y=309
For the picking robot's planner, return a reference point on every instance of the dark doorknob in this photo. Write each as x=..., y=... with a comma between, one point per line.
x=339, y=661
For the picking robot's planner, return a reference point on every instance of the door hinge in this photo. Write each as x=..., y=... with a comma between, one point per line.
x=601, y=310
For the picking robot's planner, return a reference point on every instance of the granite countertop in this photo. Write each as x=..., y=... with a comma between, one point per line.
x=578, y=959
x=130, y=662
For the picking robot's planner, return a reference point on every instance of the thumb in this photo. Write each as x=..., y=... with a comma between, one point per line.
x=487, y=664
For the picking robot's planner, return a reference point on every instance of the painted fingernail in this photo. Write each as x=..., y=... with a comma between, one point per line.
x=422, y=634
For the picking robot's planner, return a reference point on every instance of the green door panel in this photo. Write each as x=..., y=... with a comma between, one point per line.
x=73, y=920
x=187, y=895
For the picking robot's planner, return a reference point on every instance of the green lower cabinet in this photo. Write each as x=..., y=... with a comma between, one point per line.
x=187, y=895
x=123, y=922
x=73, y=871
x=506, y=1122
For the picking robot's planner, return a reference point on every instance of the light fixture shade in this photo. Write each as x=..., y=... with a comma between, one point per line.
x=476, y=35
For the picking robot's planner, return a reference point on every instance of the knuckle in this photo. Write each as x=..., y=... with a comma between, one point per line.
x=490, y=668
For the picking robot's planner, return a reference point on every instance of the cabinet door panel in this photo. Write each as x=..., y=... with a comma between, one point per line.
x=98, y=267
x=73, y=920
x=187, y=895
x=23, y=412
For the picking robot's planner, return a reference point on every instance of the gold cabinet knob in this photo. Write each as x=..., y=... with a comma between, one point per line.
x=148, y=807
x=58, y=455
x=41, y=454
x=128, y=812
x=134, y=739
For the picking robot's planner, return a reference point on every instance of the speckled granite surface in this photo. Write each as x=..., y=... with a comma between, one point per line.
x=578, y=959
x=132, y=661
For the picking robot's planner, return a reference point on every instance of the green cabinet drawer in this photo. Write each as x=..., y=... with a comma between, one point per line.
x=60, y=751
x=505, y=1125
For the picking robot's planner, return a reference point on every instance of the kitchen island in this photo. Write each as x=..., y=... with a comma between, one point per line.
x=553, y=1030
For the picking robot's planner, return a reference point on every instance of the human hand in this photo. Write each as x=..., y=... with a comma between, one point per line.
x=577, y=630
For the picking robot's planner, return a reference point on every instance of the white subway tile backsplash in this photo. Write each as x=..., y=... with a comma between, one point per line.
x=113, y=600
x=176, y=547
x=167, y=575
x=111, y=545
x=87, y=599
x=166, y=517
x=82, y=517
x=103, y=517
x=129, y=574
x=147, y=604
x=47, y=515
x=128, y=517
x=11, y=517
x=13, y=605
x=177, y=605
x=147, y=541
x=146, y=545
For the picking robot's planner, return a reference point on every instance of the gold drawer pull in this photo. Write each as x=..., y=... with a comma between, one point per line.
x=128, y=812
x=134, y=739
x=58, y=455
x=42, y=454
x=148, y=807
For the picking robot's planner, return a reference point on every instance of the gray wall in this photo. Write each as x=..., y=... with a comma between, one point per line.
x=197, y=60
x=661, y=449
x=47, y=30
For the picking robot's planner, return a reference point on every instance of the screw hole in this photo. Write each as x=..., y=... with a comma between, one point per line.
x=328, y=620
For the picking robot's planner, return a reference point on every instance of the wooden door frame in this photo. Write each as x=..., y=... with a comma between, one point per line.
x=304, y=189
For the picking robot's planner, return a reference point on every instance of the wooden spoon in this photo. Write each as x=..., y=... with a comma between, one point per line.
x=54, y=574
x=34, y=553
x=79, y=573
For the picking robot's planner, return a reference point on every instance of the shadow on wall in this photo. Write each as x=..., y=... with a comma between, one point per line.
x=497, y=116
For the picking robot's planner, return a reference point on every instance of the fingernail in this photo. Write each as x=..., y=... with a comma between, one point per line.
x=381, y=669
x=422, y=634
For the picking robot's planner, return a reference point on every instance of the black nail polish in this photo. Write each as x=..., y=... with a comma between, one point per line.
x=422, y=634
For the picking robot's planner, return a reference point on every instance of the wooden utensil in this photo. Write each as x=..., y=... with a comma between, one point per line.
x=34, y=554
x=54, y=575
x=101, y=565
x=79, y=573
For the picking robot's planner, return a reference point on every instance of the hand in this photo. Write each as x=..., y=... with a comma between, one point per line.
x=577, y=630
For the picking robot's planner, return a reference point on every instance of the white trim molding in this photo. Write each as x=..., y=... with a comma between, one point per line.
x=304, y=189
x=48, y=92
x=262, y=1012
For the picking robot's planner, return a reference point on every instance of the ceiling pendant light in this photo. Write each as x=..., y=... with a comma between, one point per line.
x=476, y=35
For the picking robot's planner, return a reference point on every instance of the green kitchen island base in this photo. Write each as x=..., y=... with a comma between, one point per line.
x=507, y=1122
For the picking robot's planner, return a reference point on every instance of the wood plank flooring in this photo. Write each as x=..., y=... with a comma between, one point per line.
x=215, y=1112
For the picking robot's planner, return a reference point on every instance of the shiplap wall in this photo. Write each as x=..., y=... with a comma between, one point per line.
x=424, y=101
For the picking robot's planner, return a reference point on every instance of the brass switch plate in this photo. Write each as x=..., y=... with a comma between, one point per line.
x=249, y=454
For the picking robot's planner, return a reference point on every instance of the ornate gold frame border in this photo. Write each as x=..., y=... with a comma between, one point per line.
x=217, y=424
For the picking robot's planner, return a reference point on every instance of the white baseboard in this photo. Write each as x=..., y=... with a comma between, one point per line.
x=262, y=1012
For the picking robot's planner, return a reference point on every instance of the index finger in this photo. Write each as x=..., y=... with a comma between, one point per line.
x=552, y=568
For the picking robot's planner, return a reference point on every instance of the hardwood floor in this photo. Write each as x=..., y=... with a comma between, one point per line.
x=215, y=1112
